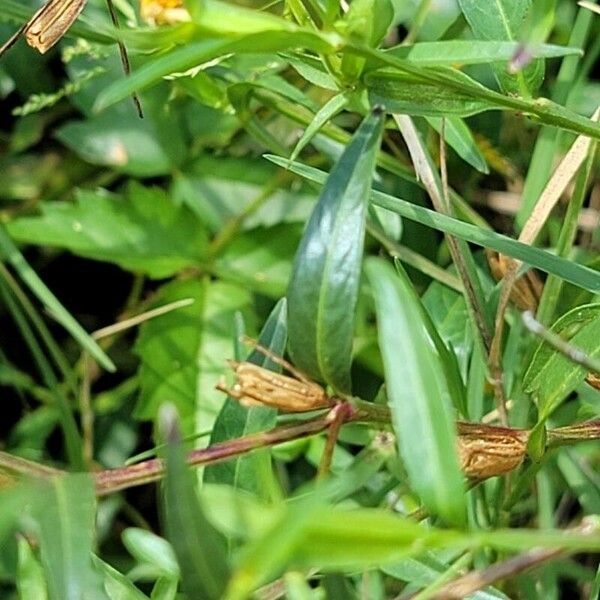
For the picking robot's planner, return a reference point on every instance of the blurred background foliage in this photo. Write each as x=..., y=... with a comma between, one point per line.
x=119, y=215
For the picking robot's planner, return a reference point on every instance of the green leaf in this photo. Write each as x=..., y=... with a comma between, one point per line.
x=568, y=270
x=144, y=232
x=502, y=20
x=254, y=472
x=200, y=549
x=323, y=288
x=197, y=53
x=418, y=394
x=551, y=377
x=458, y=136
x=472, y=52
x=30, y=576
x=148, y=147
x=260, y=260
x=66, y=535
x=149, y=548
x=403, y=93
x=331, y=108
x=116, y=585
x=183, y=352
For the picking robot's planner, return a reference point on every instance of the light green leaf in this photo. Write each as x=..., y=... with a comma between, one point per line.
x=418, y=394
x=331, y=108
x=502, y=20
x=551, y=377
x=147, y=547
x=458, y=136
x=472, y=52
x=30, y=576
x=66, y=534
x=116, y=585
x=144, y=232
x=183, y=353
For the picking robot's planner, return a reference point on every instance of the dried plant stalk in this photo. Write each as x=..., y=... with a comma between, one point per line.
x=258, y=386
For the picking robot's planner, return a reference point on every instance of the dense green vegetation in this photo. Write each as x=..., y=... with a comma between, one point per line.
x=400, y=198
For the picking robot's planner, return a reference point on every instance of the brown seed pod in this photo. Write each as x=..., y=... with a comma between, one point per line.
x=485, y=451
x=526, y=291
x=258, y=386
x=593, y=379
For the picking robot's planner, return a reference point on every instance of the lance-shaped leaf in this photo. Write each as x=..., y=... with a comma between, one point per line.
x=324, y=284
x=417, y=393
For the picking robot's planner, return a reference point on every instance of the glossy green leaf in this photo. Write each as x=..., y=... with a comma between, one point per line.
x=66, y=534
x=458, y=136
x=323, y=288
x=143, y=232
x=200, y=549
x=183, y=353
x=551, y=377
x=418, y=394
x=502, y=20
x=254, y=472
x=472, y=52
x=575, y=273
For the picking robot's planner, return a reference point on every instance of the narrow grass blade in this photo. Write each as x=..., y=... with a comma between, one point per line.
x=574, y=273
x=11, y=253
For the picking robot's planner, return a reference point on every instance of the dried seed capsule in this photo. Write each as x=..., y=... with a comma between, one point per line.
x=258, y=386
x=486, y=451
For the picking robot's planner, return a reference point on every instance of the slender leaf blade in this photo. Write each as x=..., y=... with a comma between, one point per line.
x=66, y=532
x=418, y=394
x=574, y=273
x=200, y=549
